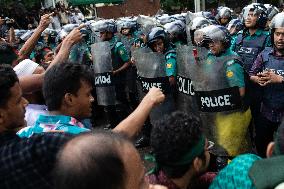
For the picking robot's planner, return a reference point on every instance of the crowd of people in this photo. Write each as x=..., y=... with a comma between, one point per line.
x=205, y=92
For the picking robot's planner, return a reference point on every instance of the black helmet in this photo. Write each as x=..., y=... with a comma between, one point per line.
x=156, y=33
x=237, y=24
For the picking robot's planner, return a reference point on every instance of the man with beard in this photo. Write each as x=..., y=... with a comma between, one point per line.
x=267, y=72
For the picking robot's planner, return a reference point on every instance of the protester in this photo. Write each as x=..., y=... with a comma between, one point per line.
x=180, y=151
x=102, y=160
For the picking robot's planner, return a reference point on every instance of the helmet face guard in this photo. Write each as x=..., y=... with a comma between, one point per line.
x=257, y=10
x=224, y=12
x=277, y=21
x=211, y=34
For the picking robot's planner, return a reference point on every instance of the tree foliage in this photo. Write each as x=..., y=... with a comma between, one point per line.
x=172, y=6
x=26, y=3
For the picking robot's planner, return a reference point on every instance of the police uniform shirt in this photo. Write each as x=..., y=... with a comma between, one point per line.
x=171, y=62
x=252, y=37
x=234, y=70
x=119, y=50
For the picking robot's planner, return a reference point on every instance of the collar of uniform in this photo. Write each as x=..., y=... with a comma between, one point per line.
x=113, y=40
x=258, y=32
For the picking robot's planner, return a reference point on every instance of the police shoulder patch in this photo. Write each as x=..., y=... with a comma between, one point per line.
x=230, y=74
x=121, y=52
x=169, y=66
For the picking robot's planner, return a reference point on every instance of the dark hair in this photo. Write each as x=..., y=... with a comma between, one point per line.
x=173, y=137
x=41, y=53
x=7, y=54
x=61, y=79
x=8, y=78
x=91, y=161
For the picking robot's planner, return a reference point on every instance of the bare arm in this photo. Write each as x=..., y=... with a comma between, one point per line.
x=72, y=38
x=134, y=122
x=122, y=68
x=34, y=82
x=12, y=38
x=31, y=42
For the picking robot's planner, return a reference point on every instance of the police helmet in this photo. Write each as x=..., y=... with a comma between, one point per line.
x=237, y=24
x=277, y=21
x=212, y=33
x=199, y=22
x=224, y=12
x=105, y=26
x=176, y=27
x=155, y=34
x=258, y=9
x=126, y=24
x=271, y=11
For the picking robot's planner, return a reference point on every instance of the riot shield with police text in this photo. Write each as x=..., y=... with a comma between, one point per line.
x=186, y=101
x=224, y=120
x=102, y=65
x=151, y=73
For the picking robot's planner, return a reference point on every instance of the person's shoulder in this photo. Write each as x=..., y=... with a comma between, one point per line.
x=49, y=140
x=244, y=161
x=267, y=33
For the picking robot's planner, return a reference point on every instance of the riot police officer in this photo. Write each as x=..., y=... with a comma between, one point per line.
x=223, y=16
x=234, y=26
x=120, y=63
x=249, y=43
x=217, y=77
x=268, y=71
x=176, y=31
x=156, y=69
x=157, y=40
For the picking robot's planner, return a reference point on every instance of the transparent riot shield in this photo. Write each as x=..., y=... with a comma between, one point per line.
x=102, y=65
x=186, y=100
x=151, y=73
x=224, y=120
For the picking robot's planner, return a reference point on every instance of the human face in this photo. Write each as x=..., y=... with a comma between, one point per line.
x=125, y=31
x=279, y=39
x=216, y=48
x=158, y=46
x=224, y=21
x=13, y=115
x=251, y=19
x=48, y=57
x=83, y=101
x=135, y=171
x=45, y=38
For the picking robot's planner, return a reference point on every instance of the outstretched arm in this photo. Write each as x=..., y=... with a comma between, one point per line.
x=31, y=42
x=134, y=122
